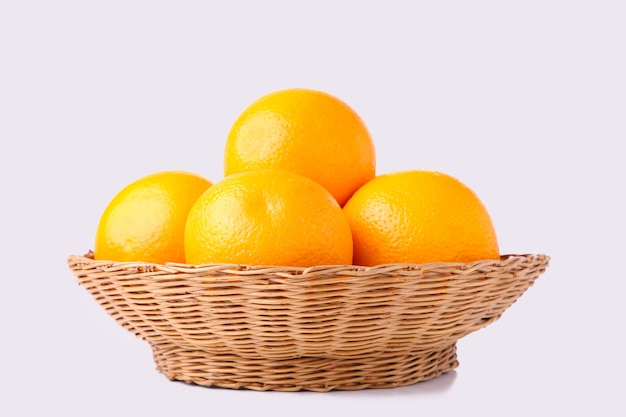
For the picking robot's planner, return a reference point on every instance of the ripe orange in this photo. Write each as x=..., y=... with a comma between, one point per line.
x=418, y=217
x=145, y=221
x=305, y=131
x=268, y=217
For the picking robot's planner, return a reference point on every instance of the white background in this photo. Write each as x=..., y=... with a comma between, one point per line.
x=523, y=101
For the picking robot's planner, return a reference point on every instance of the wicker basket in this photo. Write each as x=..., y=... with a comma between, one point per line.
x=318, y=329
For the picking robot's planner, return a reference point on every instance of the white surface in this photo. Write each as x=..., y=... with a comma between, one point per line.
x=524, y=102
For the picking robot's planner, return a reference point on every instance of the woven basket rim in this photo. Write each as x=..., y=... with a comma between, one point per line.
x=303, y=272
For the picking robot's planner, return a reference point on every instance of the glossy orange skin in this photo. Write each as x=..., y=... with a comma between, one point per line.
x=419, y=217
x=268, y=217
x=145, y=221
x=305, y=131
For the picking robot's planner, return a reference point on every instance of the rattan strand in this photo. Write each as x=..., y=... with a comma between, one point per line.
x=321, y=328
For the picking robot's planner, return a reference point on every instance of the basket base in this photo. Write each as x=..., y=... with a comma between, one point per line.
x=310, y=374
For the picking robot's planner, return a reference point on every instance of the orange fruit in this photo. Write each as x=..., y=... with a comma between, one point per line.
x=418, y=217
x=305, y=131
x=268, y=217
x=146, y=220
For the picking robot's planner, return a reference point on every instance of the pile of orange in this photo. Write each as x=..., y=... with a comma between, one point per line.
x=300, y=188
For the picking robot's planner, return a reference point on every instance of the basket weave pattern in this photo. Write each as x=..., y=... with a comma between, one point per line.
x=320, y=328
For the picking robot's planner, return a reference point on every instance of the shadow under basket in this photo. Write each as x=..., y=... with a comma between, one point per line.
x=318, y=329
